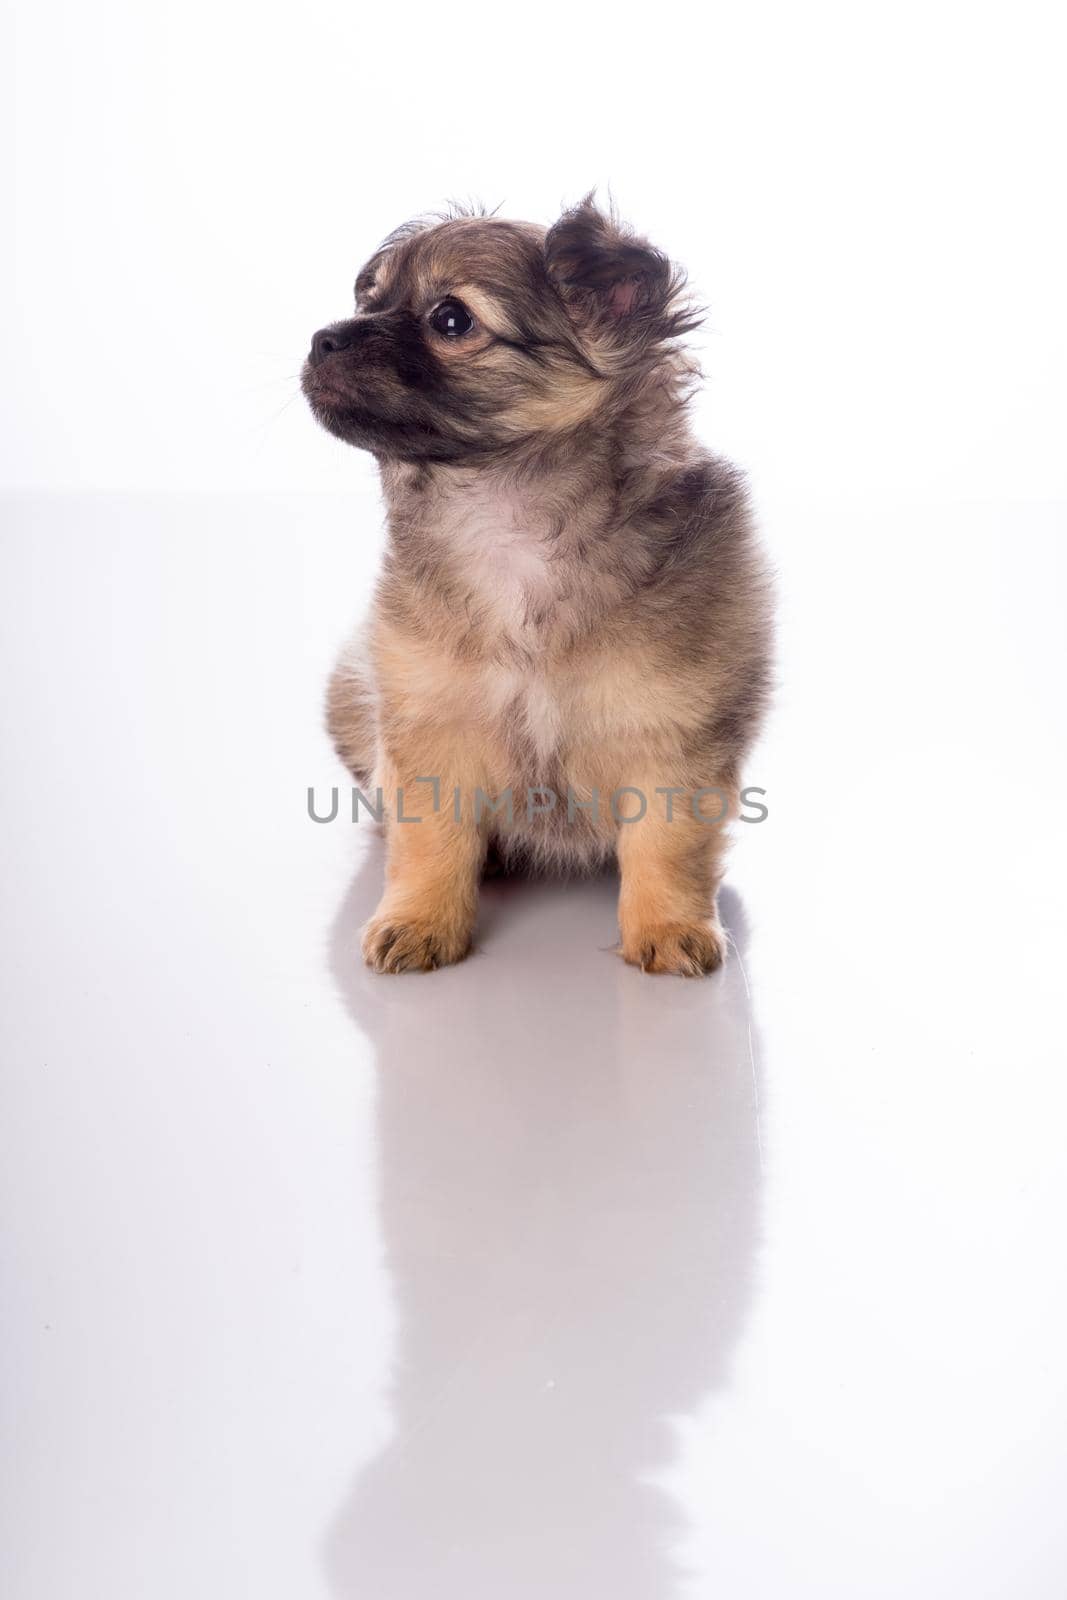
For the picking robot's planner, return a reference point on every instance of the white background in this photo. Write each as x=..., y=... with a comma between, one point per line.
x=867, y=200
x=535, y=1277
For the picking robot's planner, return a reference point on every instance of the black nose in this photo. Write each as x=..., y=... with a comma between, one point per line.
x=328, y=341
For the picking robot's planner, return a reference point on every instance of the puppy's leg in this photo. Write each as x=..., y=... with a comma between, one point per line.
x=671, y=864
x=427, y=913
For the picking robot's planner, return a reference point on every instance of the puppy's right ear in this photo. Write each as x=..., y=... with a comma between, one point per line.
x=615, y=285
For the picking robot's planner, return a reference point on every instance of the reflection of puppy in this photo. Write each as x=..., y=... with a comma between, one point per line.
x=572, y=606
x=571, y=1258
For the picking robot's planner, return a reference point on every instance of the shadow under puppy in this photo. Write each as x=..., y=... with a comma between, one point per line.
x=573, y=604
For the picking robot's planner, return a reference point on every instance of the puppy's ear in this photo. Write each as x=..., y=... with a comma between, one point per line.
x=612, y=282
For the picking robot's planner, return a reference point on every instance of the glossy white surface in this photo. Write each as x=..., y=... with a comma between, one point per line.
x=536, y=1277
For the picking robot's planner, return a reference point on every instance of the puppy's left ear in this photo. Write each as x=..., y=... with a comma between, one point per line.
x=612, y=282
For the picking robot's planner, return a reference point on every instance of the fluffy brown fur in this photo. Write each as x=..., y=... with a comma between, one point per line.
x=572, y=599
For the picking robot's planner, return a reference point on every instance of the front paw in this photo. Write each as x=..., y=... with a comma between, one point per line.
x=688, y=949
x=393, y=943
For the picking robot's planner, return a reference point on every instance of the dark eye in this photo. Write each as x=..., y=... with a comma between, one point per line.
x=452, y=319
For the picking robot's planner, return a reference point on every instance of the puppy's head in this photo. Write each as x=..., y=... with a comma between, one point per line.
x=474, y=335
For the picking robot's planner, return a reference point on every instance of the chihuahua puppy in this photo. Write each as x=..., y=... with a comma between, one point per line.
x=573, y=604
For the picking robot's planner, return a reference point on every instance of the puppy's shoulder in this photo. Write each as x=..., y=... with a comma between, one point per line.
x=706, y=491
x=699, y=520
